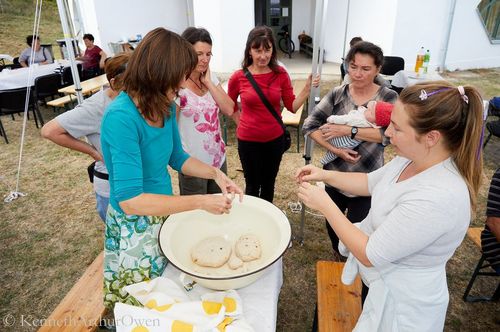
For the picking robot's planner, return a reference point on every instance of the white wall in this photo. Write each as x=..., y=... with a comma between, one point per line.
x=469, y=45
x=123, y=19
x=301, y=21
x=415, y=29
x=371, y=20
x=229, y=23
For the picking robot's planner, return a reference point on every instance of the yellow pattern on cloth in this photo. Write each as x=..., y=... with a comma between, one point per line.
x=167, y=307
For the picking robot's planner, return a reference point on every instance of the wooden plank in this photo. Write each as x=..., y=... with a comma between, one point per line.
x=87, y=86
x=339, y=305
x=82, y=308
x=60, y=102
x=474, y=233
x=289, y=118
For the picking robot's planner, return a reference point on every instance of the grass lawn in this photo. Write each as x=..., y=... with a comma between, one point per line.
x=49, y=237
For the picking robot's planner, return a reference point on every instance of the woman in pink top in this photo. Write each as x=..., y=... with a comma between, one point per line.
x=260, y=136
x=200, y=100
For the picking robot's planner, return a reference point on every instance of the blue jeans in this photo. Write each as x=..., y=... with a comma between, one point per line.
x=102, y=206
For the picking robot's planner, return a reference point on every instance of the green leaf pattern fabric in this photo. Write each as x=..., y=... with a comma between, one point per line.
x=131, y=254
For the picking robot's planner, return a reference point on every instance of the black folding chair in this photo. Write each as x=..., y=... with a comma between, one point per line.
x=12, y=102
x=493, y=127
x=47, y=86
x=67, y=77
x=392, y=64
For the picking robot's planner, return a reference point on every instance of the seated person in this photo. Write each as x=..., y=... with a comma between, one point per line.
x=490, y=236
x=93, y=58
x=377, y=114
x=42, y=55
x=346, y=79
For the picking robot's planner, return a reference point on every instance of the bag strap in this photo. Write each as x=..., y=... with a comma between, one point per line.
x=263, y=98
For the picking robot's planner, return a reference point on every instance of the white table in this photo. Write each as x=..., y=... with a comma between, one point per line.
x=404, y=78
x=260, y=299
x=18, y=78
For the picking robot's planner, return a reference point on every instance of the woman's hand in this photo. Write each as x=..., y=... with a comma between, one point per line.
x=227, y=185
x=313, y=196
x=316, y=80
x=309, y=173
x=348, y=155
x=206, y=77
x=216, y=204
x=331, y=130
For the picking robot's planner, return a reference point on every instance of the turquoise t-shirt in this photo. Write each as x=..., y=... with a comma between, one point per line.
x=137, y=154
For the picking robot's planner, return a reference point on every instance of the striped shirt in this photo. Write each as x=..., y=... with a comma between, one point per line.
x=339, y=101
x=489, y=243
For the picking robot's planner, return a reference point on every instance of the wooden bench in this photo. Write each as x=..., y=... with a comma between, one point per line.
x=62, y=101
x=293, y=119
x=82, y=308
x=339, y=305
x=474, y=233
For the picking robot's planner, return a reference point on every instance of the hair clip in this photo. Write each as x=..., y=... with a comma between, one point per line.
x=462, y=94
x=423, y=95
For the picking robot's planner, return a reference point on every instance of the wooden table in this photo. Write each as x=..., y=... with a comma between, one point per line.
x=88, y=87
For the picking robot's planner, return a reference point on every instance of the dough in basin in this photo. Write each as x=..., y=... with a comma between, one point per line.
x=248, y=247
x=211, y=252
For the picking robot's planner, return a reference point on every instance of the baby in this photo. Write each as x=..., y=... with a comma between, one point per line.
x=377, y=114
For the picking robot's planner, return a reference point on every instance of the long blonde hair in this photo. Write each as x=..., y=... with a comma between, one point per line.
x=458, y=117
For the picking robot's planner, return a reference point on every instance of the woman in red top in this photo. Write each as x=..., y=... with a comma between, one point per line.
x=260, y=136
x=93, y=58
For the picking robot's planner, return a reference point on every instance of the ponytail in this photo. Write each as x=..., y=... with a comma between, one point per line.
x=457, y=113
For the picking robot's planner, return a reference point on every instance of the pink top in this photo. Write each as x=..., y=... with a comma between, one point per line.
x=257, y=124
x=199, y=128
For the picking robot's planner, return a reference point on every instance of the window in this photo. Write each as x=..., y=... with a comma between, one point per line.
x=489, y=12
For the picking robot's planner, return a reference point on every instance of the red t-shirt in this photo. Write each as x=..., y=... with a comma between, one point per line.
x=92, y=57
x=257, y=124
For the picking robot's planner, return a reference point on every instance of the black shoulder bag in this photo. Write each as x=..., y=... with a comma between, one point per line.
x=288, y=138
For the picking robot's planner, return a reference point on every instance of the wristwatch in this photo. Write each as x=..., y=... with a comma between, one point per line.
x=354, y=131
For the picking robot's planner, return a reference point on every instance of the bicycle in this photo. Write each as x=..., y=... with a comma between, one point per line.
x=285, y=43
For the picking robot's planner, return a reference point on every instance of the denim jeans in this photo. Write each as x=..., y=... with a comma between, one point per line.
x=102, y=206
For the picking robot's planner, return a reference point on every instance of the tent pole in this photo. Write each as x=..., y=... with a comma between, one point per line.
x=317, y=66
x=61, y=6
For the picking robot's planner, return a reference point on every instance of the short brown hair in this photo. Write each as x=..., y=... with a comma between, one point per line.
x=459, y=122
x=366, y=48
x=115, y=68
x=158, y=65
x=257, y=37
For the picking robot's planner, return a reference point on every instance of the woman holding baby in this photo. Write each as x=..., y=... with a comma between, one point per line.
x=365, y=60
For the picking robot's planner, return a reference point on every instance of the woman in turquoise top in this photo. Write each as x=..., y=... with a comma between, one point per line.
x=139, y=139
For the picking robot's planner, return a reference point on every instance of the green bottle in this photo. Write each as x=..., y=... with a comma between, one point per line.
x=427, y=58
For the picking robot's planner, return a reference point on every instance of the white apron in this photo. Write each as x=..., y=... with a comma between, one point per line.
x=401, y=298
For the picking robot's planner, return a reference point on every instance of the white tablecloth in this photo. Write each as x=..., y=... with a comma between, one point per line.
x=260, y=299
x=18, y=78
x=404, y=78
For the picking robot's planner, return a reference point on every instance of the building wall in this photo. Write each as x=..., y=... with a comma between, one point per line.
x=228, y=22
x=115, y=20
x=301, y=19
x=469, y=45
x=371, y=20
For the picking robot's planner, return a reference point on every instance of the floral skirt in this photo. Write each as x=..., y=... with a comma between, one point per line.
x=131, y=254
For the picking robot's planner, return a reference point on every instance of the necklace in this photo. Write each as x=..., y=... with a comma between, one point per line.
x=197, y=85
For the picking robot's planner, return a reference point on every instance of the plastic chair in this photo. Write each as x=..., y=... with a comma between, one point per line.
x=12, y=102
x=493, y=127
x=67, y=77
x=47, y=86
x=392, y=64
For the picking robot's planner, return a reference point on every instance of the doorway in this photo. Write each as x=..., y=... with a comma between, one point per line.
x=274, y=13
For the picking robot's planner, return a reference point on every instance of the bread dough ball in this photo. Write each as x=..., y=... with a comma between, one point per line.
x=248, y=247
x=211, y=252
x=234, y=262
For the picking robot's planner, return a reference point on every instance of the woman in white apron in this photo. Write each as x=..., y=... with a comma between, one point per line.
x=421, y=207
